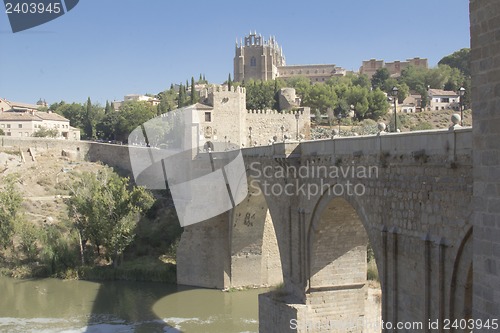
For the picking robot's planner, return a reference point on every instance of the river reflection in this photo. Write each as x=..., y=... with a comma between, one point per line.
x=56, y=306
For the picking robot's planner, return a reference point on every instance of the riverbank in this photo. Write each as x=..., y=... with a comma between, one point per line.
x=143, y=269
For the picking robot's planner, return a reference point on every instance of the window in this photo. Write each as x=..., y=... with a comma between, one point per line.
x=9, y=134
x=445, y=100
x=2, y=126
x=8, y=125
x=253, y=62
x=437, y=108
x=20, y=125
x=208, y=116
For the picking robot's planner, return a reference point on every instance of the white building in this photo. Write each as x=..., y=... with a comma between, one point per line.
x=443, y=100
x=25, y=124
x=135, y=98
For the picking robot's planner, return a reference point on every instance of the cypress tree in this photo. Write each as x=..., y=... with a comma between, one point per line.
x=107, y=109
x=180, y=97
x=193, y=92
x=229, y=83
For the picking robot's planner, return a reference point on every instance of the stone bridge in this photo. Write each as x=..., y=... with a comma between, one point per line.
x=312, y=210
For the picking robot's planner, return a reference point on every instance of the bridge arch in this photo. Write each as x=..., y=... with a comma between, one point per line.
x=338, y=236
x=255, y=254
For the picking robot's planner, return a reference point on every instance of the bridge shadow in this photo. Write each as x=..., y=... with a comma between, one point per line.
x=124, y=306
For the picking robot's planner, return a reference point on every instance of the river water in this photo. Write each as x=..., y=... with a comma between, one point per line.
x=57, y=306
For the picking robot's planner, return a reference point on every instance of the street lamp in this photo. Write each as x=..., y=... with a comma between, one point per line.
x=339, y=117
x=394, y=94
x=461, y=93
x=283, y=133
x=297, y=121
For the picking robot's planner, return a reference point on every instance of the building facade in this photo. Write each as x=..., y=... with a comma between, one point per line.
x=260, y=59
x=443, y=100
x=257, y=59
x=223, y=118
x=26, y=124
x=369, y=67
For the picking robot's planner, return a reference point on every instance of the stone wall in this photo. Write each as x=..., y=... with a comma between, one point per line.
x=267, y=124
x=485, y=66
x=115, y=156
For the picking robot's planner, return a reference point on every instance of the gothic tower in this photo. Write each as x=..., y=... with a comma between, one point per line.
x=257, y=58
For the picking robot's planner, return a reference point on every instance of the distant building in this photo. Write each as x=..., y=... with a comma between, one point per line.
x=25, y=124
x=223, y=117
x=443, y=100
x=6, y=106
x=137, y=98
x=260, y=59
x=369, y=67
x=412, y=104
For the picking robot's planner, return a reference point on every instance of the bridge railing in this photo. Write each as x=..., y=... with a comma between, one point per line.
x=434, y=142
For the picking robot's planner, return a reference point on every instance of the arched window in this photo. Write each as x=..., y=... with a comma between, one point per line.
x=253, y=62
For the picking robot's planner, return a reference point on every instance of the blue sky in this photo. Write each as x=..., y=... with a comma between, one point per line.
x=106, y=49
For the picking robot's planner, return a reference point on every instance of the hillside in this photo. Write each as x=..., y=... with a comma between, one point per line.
x=407, y=122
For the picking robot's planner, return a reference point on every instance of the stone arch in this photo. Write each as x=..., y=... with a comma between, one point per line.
x=255, y=255
x=352, y=207
x=461, y=280
x=338, y=236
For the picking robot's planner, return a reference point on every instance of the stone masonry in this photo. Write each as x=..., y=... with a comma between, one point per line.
x=485, y=67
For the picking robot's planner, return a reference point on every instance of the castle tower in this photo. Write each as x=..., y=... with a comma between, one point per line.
x=257, y=58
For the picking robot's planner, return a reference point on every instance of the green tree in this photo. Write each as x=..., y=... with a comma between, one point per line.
x=378, y=104
x=131, y=115
x=193, y=98
x=93, y=115
x=2, y=132
x=105, y=212
x=108, y=108
x=459, y=60
x=74, y=112
x=182, y=97
x=229, y=82
x=10, y=204
x=29, y=236
x=260, y=95
x=379, y=78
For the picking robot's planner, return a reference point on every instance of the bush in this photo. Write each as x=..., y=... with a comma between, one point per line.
x=46, y=133
x=29, y=235
x=423, y=126
x=372, y=272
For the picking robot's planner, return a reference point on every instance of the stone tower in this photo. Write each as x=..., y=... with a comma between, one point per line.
x=257, y=58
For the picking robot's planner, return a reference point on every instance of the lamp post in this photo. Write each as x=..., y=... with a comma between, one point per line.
x=394, y=94
x=283, y=133
x=297, y=121
x=461, y=93
x=339, y=117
